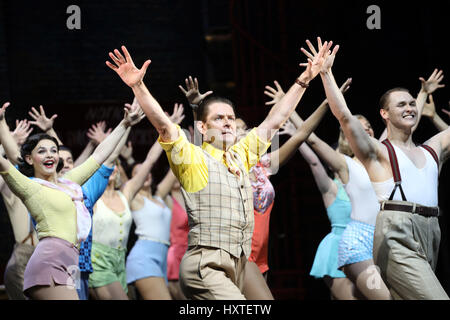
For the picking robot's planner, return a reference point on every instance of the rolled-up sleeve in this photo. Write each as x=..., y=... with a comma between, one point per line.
x=251, y=148
x=187, y=162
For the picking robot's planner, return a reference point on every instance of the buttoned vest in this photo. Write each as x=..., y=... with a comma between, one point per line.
x=221, y=214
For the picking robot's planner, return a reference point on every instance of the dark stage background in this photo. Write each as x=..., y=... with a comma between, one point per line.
x=235, y=48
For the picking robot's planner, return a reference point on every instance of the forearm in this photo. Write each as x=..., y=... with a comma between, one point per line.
x=155, y=114
x=439, y=123
x=358, y=138
x=165, y=186
x=420, y=103
x=310, y=124
x=90, y=147
x=52, y=133
x=330, y=156
x=135, y=184
x=281, y=111
x=10, y=146
x=319, y=173
x=115, y=154
x=107, y=146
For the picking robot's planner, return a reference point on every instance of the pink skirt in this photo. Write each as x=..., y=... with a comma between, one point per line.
x=54, y=261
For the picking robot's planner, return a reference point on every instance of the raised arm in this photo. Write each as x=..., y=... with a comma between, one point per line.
x=43, y=122
x=284, y=108
x=427, y=87
x=135, y=184
x=429, y=111
x=133, y=77
x=193, y=95
x=165, y=186
x=323, y=181
x=107, y=146
x=365, y=147
x=96, y=134
x=10, y=145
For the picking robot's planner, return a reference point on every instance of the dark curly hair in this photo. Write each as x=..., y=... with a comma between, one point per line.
x=28, y=147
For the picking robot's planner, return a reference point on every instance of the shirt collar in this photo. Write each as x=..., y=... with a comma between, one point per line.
x=213, y=151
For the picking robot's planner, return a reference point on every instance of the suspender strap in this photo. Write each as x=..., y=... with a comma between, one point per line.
x=433, y=153
x=395, y=169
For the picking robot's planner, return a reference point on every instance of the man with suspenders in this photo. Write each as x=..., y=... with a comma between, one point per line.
x=407, y=233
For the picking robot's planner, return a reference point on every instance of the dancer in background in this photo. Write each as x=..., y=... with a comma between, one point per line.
x=146, y=265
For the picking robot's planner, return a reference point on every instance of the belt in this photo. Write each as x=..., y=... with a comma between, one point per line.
x=414, y=208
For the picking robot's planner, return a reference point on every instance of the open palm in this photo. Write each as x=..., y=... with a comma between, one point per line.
x=125, y=68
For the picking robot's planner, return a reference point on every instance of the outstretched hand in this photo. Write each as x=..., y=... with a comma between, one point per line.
x=432, y=84
x=3, y=110
x=127, y=150
x=177, y=115
x=287, y=128
x=320, y=60
x=22, y=131
x=97, y=132
x=125, y=68
x=275, y=94
x=192, y=91
x=133, y=113
x=346, y=85
x=429, y=108
x=41, y=120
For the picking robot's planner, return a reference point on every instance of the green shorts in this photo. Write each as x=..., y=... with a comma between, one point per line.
x=109, y=266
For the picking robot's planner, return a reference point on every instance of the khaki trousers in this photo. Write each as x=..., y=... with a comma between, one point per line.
x=208, y=273
x=405, y=248
x=15, y=269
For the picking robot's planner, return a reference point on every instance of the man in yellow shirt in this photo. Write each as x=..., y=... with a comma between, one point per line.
x=214, y=178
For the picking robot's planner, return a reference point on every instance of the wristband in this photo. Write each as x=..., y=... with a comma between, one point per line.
x=301, y=83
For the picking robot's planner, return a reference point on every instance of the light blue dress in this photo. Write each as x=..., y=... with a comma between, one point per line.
x=326, y=259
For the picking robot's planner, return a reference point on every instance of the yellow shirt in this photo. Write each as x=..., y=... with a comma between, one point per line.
x=53, y=210
x=187, y=161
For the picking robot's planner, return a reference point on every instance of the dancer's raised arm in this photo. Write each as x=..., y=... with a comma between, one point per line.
x=284, y=108
x=133, y=77
x=429, y=111
x=365, y=147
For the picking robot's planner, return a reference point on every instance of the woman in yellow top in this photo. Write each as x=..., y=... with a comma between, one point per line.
x=57, y=206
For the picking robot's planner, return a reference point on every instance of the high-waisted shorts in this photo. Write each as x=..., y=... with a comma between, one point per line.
x=147, y=259
x=54, y=261
x=356, y=243
x=109, y=266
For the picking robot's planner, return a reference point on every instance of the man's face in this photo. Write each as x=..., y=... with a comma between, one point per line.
x=67, y=158
x=220, y=125
x=402, y=110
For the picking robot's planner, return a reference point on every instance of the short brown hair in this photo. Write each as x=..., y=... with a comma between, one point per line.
x=384, y=100
x=202, y=111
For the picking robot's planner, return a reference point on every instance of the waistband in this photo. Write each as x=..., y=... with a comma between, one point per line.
x=167, y=243
x=63, y=242
x=106, y=247
x=411, y=207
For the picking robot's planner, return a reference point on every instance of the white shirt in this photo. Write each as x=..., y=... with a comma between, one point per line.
x=365, y=205
x=419, y=185
x=111, y=228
